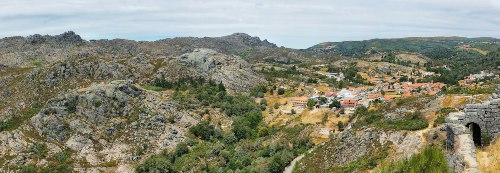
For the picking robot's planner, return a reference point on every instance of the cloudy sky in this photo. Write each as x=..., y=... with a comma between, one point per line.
x=290, y=23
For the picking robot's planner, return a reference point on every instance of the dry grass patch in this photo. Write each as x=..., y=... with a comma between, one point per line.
x=489, y=158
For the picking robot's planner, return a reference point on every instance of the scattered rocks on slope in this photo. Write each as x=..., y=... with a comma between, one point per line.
x=235, y=73
x=107, y=122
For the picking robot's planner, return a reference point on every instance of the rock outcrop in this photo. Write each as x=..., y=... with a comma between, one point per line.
x=103, y=123
x=352, y=145
x=235, y=73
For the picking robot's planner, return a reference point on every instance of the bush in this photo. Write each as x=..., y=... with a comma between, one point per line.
x=181, y=149
x=279, y=161
x=154, y=164
x=311, y=103
x=276, y=105
x=281, y=91
x=154, y=88
x=38, y=150
x=258, y=91
x=203, y=130
x=413, y=124
x=334, y=104
x=340, y=124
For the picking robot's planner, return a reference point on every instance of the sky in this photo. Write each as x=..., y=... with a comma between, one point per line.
x=289, y=23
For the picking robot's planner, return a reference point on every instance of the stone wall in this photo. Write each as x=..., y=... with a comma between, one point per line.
x=459, y=140
x=461, y=154
x=486, y=115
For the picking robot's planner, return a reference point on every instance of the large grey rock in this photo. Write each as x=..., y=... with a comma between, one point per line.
x=235, y=73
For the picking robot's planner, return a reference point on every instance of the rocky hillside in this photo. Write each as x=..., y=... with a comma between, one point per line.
x=62, y=95
x=354, y=151
x=37, y=49
x=235, y=73
x=108, y=123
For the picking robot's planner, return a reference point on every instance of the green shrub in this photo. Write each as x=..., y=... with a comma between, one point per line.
x=181, y=149
x=280, y=161
x=281, y=91
x=38, y=150
x=340, y=124
x=28, y=168
x=154, y=164
x=311, y=103
x=154, y=88
x=71, y=105
x=97, y=103
x=203, y=130
x=258, y=91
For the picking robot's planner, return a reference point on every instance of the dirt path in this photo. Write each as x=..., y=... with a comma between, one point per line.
x=289, y=168
x=430, y=114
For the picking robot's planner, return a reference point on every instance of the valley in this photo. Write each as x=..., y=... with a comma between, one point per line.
x=237, y=103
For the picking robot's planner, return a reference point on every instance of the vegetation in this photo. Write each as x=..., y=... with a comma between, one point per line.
x=16, y=121
x=154, y=164
x=431, y=159
x=288, y=73
x=203, y=130
x=442, y=51
x=281, y=91
x=258, y=91
x=59, y=162
x=38, y=150
x=411, y=121
x=335, y=104
x=153, y=88
x=441, y=115
x=468, y=90
x=311, y=103
x=249, y=146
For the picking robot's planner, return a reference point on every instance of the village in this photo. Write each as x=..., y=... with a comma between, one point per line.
x=330, y=108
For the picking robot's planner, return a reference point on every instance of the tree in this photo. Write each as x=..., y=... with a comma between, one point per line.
x=293, y=111
x=360, y=111
x=340, y=124
x=276, y=105
x=334, y=104
x=281, y=91
x=221, y=87
x=263, y=104
x=154, y=164
x=311, y=103
x=203, y=130
x=324, y=119
x=323, y=100
x=181, y=149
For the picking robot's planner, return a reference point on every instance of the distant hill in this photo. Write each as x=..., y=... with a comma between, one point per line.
x=22, y=51
x=422, y=45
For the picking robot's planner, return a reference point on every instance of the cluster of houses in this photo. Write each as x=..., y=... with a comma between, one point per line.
x=352, y=97
x=471, y=79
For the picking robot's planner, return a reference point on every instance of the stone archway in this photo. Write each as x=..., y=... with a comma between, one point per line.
x=476, y=133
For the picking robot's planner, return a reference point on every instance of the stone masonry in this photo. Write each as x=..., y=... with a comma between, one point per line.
x=459, y=139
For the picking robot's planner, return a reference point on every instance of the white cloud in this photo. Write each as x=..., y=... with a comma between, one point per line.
x=292, y=23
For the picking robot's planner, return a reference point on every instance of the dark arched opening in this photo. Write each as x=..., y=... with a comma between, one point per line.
x=476, y=133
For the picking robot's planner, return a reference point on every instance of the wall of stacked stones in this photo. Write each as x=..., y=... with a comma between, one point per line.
x=486, y=115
